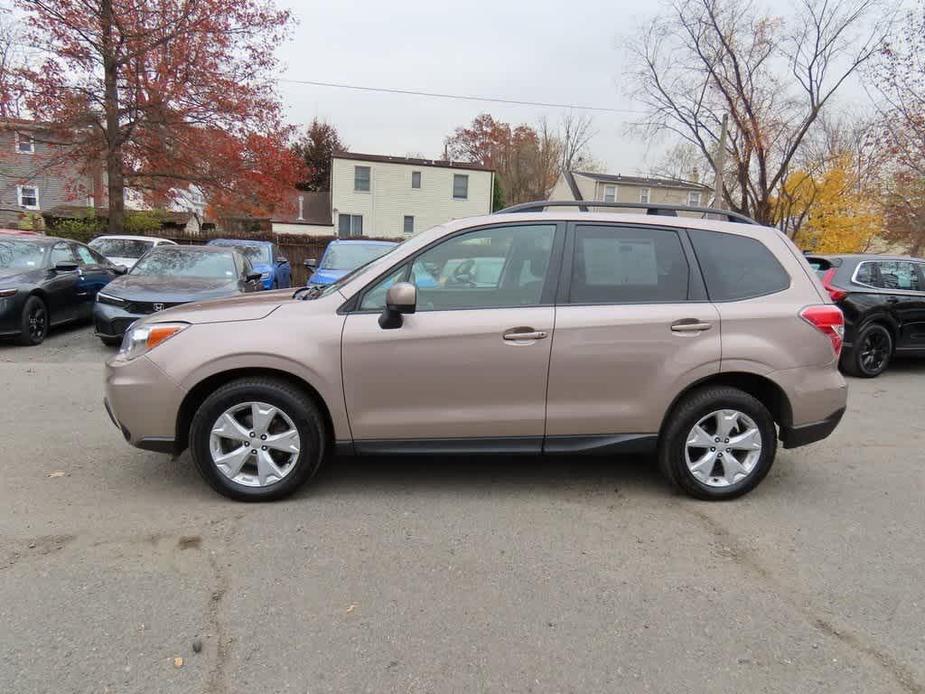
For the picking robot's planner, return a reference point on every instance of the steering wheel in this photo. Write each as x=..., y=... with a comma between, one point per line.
x=462, y=274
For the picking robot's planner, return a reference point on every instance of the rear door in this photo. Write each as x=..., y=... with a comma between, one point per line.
x=633, y=325
x=471, y=363
x=903, y=283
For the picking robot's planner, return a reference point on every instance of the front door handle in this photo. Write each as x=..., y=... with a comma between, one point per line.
x=892, y=300
x=524, y=334
x=690, y=325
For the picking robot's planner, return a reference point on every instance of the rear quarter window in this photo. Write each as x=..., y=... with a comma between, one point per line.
x=737, y=267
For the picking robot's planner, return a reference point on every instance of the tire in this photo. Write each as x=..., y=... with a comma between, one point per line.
x=111, y=341
x=719, y=482
x=34, y=322
x=871, y=353
x=298, y=412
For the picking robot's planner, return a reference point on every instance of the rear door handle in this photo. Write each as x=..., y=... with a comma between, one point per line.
x=524, y=334
x=690, y=325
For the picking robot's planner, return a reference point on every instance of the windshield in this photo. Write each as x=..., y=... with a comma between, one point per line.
x=20, y=255
x=121, y=248
x=349, y=256
x=255, y=253
x=185, y=262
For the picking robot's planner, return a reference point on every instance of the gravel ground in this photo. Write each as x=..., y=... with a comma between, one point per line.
x=460, y=574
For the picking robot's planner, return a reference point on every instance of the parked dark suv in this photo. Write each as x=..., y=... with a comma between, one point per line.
x=883, y=299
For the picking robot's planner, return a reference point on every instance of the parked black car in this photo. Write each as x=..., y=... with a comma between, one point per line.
x=169, y=276
x=883, y=299
x=46, y=281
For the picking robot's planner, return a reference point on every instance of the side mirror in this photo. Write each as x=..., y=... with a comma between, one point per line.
x=65, y=266
x=401, y=298
x=311, y=264
x=252, y=277
x=281, y=260
x=120, y=269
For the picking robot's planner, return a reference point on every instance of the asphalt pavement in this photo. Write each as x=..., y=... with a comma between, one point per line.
x=452, y=574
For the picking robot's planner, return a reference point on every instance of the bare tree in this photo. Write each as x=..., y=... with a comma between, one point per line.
x=704, y=58
x=575, y=134
x=681, y=161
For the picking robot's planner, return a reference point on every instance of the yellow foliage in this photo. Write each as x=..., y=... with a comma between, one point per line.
x=839, y=218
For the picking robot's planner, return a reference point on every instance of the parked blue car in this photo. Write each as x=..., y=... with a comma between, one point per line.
x=275, y=270
x=343, y=256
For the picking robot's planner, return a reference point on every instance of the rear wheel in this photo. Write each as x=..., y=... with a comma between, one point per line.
x=871, y=352
x=34, y=322
x=257, y=439
x=719, y=443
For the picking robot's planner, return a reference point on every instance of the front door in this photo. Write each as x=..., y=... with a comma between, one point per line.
x=472, y=362
x=95, y=273
x=632, y=323
x=62, y=285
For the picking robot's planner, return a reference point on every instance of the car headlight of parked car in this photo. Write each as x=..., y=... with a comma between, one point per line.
x=144, y=338
x=4, y=295
x=110, y=299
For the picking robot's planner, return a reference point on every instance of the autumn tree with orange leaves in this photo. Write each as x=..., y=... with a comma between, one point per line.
x=165, y=93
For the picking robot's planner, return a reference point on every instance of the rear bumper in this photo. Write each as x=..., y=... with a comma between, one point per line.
x=795, y=436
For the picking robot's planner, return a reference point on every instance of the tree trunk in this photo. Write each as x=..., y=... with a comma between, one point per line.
x=115, y=180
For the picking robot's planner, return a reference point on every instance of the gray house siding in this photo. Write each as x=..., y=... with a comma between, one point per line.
x=57, y=181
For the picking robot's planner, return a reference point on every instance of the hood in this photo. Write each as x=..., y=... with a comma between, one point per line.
x=326, y=276
x=171, y=290
x=11, y=277
x=253, y=306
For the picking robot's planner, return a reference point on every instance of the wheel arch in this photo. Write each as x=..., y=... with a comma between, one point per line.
x=762, y=388
x=880, y=318
x=198, y=393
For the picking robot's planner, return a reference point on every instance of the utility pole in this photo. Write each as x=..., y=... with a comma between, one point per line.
x=719, y=162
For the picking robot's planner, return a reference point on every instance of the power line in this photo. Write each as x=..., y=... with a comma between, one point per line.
x=458, y=97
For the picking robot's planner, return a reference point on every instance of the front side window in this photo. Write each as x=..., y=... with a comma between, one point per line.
x=361, y=178
x=415, y=179
x=29, y=197
x=614, y=265
x=349, y=225
x=899, y=274
x=488, y=268
x=84, y=256
x=460, y=186
x=693, y=198
x=737, y=267
x=25, y=143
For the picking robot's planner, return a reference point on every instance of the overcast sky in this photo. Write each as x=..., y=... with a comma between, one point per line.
x=533, y=50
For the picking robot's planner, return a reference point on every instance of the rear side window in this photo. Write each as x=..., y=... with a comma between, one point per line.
x=737, y=267
x=618, y=265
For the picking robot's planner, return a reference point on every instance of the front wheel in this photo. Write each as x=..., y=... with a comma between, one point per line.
x=871, y=352
x=719, y=443
x=257, y=439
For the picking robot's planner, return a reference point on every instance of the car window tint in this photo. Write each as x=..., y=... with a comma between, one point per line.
x=865, y=274
x=500, y=266
x=62, y=253
x=84, y=256
x=898, y=274
x=737, y=267
x=374, y=299
x=615, y=265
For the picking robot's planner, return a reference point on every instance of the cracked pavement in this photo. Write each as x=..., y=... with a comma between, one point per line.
x=454, y=574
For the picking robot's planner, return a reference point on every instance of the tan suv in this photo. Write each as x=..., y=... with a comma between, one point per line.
x=558, y=332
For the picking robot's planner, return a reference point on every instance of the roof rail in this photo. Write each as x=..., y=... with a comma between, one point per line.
x=652, y=208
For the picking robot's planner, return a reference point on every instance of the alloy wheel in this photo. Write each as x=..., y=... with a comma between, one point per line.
x=875, y=350
x=38, y=323
x=254, y=444
x=723, y=448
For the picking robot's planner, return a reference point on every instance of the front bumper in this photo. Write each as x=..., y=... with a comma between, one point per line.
x=11, y=314
x=143, y=402
x=112, y=321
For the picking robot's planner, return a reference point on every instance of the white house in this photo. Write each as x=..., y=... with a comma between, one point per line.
x=578, y=185
x=380, y=196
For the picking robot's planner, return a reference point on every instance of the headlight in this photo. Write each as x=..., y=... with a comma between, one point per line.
x=109, y=299
x=143, y=339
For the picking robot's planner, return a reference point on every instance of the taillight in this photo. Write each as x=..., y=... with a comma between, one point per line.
x=834, y=292
x=827, y=319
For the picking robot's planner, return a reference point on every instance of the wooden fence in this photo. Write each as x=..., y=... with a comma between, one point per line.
x=297, y=248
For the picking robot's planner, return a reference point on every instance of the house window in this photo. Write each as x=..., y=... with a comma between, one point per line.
x=415, y=179
x=644, y=196
x=610, y=193
x=349, y=225
x=361, y=178
x=409, y=224
x=25, y=144
x=460, y=187
x=28, y=197
x=693, y=198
